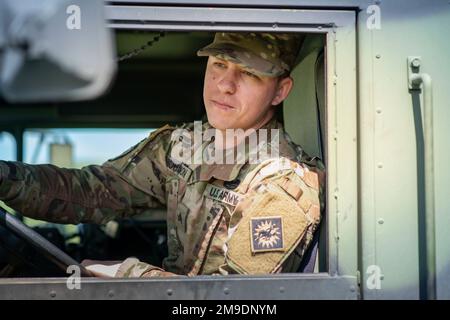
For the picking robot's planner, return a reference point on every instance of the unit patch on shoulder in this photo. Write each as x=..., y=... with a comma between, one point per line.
x=266, y=234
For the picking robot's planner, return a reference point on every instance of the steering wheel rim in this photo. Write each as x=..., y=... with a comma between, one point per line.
x=53, y=253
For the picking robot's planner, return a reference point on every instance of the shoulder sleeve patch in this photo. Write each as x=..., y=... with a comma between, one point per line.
x=270, y=229
x=266, y=234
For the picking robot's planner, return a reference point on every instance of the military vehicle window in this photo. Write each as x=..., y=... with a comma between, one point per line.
x=160, y=85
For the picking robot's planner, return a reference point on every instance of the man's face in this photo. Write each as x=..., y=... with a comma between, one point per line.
x=236, y=98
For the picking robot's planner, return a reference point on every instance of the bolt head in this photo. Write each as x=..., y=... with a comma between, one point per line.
x=415, y=63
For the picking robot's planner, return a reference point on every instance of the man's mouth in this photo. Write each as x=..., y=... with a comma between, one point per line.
x=222, y=105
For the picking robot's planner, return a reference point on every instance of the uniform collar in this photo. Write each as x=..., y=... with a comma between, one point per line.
x=229, y=172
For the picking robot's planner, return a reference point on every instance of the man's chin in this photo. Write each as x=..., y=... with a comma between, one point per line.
x=220, y=127
x=220, y=124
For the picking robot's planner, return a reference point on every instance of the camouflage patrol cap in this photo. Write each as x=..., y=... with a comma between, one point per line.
x=267, y=54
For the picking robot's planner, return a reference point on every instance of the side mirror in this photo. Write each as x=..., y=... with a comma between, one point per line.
x=54, y=50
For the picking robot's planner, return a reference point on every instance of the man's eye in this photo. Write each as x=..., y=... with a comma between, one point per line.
x=250, y=74
x=219, y=65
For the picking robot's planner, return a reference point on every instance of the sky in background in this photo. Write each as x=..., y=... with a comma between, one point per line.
x=90, y=146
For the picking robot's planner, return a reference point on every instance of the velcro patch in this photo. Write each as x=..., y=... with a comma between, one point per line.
x=222, y=195
x=277, y=225
x=266, y=234
x=275, y=166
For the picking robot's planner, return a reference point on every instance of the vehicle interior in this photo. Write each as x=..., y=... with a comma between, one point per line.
x=159, y=81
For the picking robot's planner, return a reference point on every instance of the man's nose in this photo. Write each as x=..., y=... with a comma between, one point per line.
x=227, y=83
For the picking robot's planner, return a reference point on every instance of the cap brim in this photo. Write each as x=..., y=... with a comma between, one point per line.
x=241, y=56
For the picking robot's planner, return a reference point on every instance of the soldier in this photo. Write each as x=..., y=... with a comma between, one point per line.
x=248, y=217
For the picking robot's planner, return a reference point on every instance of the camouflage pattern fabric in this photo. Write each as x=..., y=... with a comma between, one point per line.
x=202, y=200
x=265, y=54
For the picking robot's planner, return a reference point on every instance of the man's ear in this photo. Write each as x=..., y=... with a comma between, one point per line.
x=283, y=88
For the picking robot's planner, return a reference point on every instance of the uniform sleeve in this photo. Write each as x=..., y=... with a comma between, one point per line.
x=121, y=187
x=272, y=227
x=133, y=268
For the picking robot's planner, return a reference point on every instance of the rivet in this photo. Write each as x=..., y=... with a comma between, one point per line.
x=380, y=165
x=352, y=288
x=378, y=56
x=379, y=110
x=415, y=63
x=380, y=221
x=226, y=290
x=281, y=289
x=110, y=293
x=169, y=292
x=52, y=294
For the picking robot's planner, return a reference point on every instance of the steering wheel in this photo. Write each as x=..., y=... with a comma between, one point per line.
x=48, y=249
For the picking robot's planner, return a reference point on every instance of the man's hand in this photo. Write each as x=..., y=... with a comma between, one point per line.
x=109, y=269
x=102, y=269
x=159, y=273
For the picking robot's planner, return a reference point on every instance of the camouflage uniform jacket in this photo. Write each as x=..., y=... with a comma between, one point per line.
x=205, y=203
